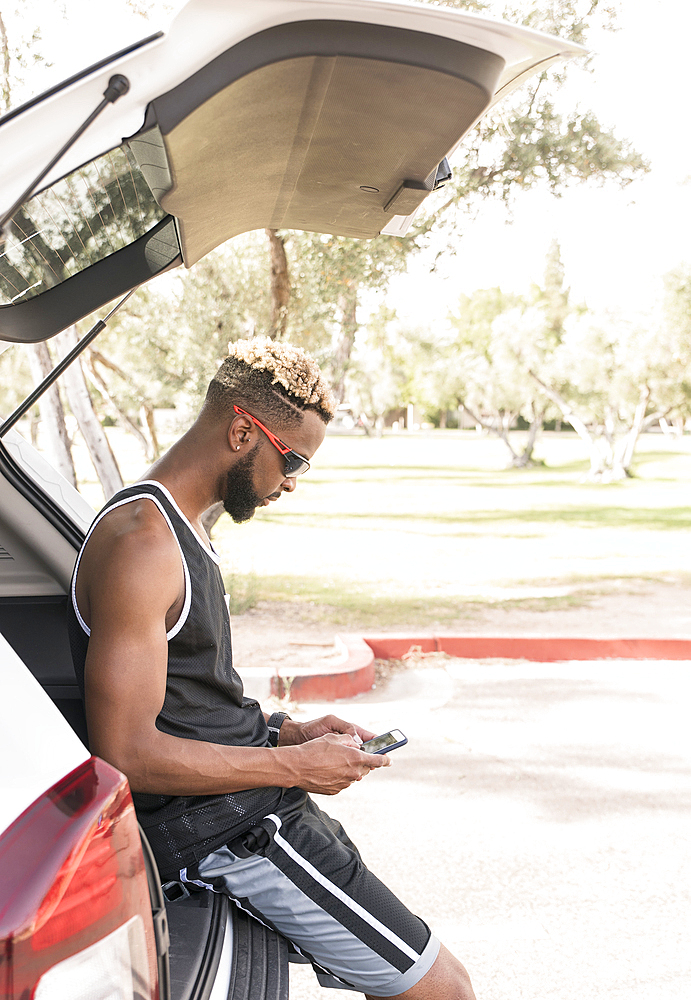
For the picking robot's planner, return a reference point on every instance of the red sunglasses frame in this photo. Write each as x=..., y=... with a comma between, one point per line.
x=295, y=465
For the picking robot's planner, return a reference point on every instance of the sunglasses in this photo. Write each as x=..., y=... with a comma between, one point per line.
x=295, y=464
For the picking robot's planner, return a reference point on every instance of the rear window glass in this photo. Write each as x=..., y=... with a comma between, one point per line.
x=76, y=222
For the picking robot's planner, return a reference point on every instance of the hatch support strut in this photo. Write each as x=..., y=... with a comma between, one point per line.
x=118, y=85
x=34, y=396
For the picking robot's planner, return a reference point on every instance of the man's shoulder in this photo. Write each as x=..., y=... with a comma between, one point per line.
x=137, y=531
x=130, y=566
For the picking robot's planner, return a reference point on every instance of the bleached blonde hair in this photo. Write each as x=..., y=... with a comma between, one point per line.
x=279, y=380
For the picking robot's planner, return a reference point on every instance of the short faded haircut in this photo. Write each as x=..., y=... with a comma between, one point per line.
x=274, y=379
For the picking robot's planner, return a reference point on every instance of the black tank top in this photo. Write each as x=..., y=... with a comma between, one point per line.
x=203, y=701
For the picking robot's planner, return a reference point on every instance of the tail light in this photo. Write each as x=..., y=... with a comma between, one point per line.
x=75, y=913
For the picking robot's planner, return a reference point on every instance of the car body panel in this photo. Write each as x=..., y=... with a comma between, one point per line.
x=302, y=114
x=202, y=31
x=37, y=555
x=36, y=743
x=49, y=480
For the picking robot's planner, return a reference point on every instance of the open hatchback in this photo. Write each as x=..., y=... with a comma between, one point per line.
x=303, y=114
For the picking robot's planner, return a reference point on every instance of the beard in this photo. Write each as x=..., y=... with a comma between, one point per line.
x=241, y=499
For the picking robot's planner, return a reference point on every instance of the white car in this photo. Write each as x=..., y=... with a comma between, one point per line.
x=320, y=115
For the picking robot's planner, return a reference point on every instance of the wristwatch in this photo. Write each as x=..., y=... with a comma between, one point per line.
x=275, y=722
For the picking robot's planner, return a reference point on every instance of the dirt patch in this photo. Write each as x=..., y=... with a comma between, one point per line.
x=631, y=609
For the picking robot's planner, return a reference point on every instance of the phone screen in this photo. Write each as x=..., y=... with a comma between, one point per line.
x=379, y=742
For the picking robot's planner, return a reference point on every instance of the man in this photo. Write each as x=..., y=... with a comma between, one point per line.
x=222, y=790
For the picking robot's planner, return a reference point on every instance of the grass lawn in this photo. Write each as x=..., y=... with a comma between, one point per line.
x=418, y=529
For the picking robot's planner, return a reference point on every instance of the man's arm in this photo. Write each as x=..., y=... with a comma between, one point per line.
x=130, y=581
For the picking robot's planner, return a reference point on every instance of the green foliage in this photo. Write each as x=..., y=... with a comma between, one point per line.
x=20, y=49
x=380, y=374
x=242, y=590
x=553, y=296
x=172, y=335
x=609, y=376
x=500, y=338
x=528, y=139
x=571, y=19
x=674, y=341
x=15, y=377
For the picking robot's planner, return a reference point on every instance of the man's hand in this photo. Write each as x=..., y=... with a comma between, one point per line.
x=328, y=764
x=294, y=733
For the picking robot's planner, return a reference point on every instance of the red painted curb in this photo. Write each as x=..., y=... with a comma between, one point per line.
x=543, y=649
x=351, y=675
x=353, y=672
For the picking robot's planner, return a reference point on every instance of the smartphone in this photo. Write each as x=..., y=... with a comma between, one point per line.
x=385, y=742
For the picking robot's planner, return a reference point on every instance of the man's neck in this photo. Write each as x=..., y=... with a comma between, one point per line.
x=186, y=477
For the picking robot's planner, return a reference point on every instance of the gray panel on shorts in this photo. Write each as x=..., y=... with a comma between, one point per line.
x=309, y=927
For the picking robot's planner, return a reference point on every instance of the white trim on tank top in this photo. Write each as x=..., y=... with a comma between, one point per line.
x=208, y=548
x=188, y=585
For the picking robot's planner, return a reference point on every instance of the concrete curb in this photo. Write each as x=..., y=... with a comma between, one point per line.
x=542, y=649
x=352, y=673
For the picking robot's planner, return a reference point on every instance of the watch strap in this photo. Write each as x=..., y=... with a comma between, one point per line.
x=274, y=723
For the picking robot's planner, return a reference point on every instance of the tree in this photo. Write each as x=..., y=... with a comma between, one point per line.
x=528, y=140
x=499, y=337
x=100, y=452
x=613, y=378
x=280, y=285
x=608, y=376
x=602, y=378
x=496, y=387
x=330, y=275
x=161, y=347
x=379, y=373
x=52, y=413
x=13, y=60
x=674, y=341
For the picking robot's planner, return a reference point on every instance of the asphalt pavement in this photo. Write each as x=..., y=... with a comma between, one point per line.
x=538, y=820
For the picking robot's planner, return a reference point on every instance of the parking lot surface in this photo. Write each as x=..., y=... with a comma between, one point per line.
x=538, y=820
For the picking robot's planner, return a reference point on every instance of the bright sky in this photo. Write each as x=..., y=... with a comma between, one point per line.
x=616, y=245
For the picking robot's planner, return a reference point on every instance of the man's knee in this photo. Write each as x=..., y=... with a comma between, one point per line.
x=446, y=980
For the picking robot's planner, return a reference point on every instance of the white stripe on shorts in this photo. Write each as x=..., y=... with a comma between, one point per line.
x=339, y=894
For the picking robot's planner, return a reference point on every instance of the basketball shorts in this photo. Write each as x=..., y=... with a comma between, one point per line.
x=298, y=872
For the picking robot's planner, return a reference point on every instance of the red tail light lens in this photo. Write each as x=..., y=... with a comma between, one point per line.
x=73, y=881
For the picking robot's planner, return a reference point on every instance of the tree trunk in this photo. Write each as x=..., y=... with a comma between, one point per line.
x=280, y=285
x=579, y=425
x=146, y=415
x=52, y=412
x=347, y=303
x=525, y=459
x=118, y=415
x=499, y=427
x=93, y=433
x=640, y=423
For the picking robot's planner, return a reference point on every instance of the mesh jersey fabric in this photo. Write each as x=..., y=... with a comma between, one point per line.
x=203, y=701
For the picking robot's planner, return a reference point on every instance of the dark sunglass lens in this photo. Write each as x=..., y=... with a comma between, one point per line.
x=295, y=464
